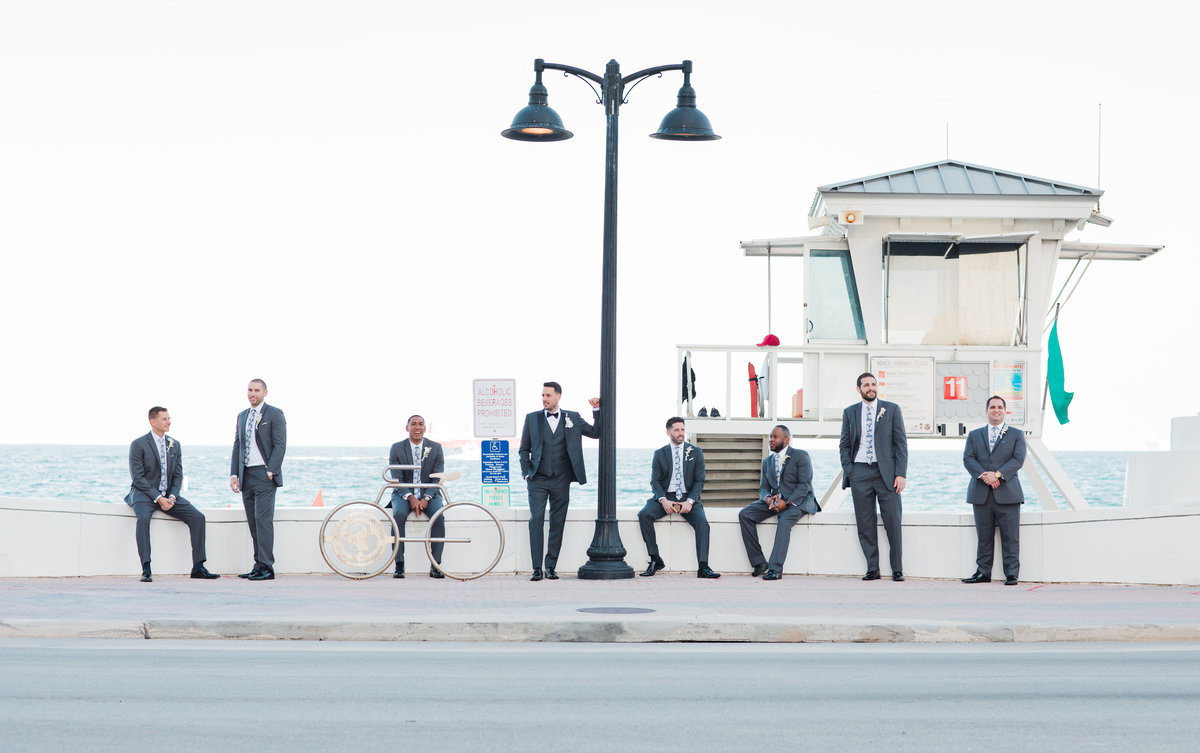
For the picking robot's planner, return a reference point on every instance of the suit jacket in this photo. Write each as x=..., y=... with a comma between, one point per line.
x=145, y=472
x=530, y=453
x=662, y=467
x=432, y=462
x=271, y=438
x=1007, y=457
x=795, y=480
x=891, y=442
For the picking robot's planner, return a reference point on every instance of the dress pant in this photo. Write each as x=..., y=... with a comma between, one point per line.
x=654, y=511
x=400, y=511
x=183, y=510
x=557, y=490
x=258, y=497
x=756, y=512
x=868, y=487
x=988, y=517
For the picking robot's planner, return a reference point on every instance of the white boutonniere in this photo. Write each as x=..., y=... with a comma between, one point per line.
x=424, y=454
x=882, y=410
x=170, y=443
x=258, y=420
x=569, y=424
x=784, y=461
x=1001, y=434
x=687, y=454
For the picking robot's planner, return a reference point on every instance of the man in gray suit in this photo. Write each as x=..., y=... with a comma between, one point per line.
x=156, y=473
x=428, y=501
x=551, y=456
x=676, y=480
x=996, y=495
x=874, y=455
x=786, y=491
x=259, y=442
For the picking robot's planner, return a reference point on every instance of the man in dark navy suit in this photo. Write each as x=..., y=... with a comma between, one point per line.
x=156, y=473
x=874, y=455
x=259, y=443
x=551, y=456
x=676, y=480
x=996, y=495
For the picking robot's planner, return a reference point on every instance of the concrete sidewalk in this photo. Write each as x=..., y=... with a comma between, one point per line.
x=667, y=607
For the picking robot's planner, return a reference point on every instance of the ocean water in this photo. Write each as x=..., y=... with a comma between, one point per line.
x=936, y=478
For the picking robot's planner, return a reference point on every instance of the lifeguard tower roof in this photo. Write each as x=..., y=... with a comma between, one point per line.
x=953, y=177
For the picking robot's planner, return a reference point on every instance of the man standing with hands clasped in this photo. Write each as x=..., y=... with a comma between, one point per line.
x=676, y=480
x=995, y=495
x=785, y=491
x=258, y=447
x=551, y=456
x=874, y=455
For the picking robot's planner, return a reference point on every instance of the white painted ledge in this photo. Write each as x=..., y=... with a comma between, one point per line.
x=56, y=538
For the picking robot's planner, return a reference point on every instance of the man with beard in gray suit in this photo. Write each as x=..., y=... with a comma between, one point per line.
x=429, y=501
x=259, y=442
x=551, y=456
x=874, y=455
x=156, y=472
x=996, y=495
x=785, y=491
x=676, y=480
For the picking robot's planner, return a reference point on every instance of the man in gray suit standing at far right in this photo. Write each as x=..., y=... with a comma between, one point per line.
x=874, y=454
x=993, y=456
x=259, y=443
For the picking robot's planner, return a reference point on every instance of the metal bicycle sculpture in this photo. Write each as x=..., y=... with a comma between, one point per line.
x=360, y=539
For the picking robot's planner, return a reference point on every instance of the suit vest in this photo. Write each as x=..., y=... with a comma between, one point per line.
x=555, y=460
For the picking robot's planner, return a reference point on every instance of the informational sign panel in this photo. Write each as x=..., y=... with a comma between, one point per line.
x=494, y=496
x=493, y=461
x=908, y=382
x=495, y=406
x=1008, y=381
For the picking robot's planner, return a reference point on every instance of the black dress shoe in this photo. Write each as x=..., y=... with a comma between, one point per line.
x=550, y=574
x=707, y=572
x=772, y=575
x=146, y=577
x=654, y=566
x=264, y=574
x=537, y=573
x=254, y=571
x=201, y=572
x=399, y=571
x=435, y=573
x=871, y=575
x=758, y=570
x=1010, y=580
x=978, y=577
x=897, y=576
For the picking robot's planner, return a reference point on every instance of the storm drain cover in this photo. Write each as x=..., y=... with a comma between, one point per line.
x=615, y=610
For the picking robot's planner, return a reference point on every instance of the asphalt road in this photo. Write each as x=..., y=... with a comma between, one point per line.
x=248, y=696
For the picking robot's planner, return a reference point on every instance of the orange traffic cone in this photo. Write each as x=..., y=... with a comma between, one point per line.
x=320, y=500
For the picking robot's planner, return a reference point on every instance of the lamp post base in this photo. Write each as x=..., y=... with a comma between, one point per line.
x=606, y=555
x=595, y=569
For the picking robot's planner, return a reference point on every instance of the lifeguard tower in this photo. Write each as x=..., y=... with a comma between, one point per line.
x=938, y=279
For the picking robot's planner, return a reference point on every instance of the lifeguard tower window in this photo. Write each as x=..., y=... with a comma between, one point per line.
x=834, y=312
x=955, y=292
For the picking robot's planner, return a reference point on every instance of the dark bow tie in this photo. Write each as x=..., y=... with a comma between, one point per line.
x=551, y=415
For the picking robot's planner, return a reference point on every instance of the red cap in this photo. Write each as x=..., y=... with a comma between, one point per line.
x=769, y=340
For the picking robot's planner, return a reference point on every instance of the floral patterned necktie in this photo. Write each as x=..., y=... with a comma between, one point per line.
x=162, y=465
x=250, y=420
x=678, y=471
x=870, y=434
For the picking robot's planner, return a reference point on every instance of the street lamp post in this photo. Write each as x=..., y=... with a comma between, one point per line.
x=538, y=122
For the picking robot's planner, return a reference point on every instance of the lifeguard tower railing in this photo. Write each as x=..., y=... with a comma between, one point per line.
x=942, y=389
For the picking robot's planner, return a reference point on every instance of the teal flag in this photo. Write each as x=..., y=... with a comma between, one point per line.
x=1059, y=397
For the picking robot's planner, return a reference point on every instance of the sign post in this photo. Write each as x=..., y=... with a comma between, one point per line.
x=495, y=409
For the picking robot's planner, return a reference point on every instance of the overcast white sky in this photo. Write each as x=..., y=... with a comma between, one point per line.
x=196, y=193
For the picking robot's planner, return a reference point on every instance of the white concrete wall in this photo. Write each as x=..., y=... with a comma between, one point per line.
x=1115, y=545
